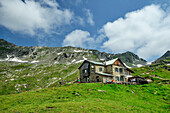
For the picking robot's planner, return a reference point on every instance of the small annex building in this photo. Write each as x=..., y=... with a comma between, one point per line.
x=139, y=80
x=112, y=70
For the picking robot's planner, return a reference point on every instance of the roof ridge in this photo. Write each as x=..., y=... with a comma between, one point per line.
x=102, y=62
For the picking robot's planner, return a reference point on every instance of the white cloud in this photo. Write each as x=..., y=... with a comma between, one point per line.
x=78, y=38
x=145, y=32
x=78, y=20
x=43, y=15
x=89, y=16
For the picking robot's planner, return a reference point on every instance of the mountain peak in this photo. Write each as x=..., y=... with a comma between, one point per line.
x=4, y=43
x=166, y=55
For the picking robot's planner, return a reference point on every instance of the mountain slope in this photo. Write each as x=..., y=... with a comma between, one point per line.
x=68, y=54
x=159, y=70
x=19, y=77
x=166, y=55
x=29, y=68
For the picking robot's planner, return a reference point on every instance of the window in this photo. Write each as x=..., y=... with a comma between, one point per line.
x=117, y=78
x=133, y=80
x=85, y=71
x=116, y=69
x=121, y=78
x=121, y=70
x=92, y=70
x=100, y=69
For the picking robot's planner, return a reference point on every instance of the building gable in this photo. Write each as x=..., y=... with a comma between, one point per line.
x=118, y=62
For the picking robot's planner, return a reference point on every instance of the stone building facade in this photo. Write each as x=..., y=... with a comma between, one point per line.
x=113, y=70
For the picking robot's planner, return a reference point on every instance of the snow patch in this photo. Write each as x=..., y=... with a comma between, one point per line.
x=34, y=62
x=73, y=60
x=15, y=60
x=80, y=51
x=60, y=53
x=56, y=62
x=149, y=63
x=79, y=61
x=139, y=65
x=84, y=58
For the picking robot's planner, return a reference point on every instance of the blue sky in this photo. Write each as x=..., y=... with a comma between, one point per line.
x=114, y=26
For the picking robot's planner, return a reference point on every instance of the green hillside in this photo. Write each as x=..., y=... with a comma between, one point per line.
x=90, y=97
x=19, y=77
x=157, y=71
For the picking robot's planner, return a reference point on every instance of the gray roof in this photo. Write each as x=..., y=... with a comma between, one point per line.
x=102, y=63
x=94, y=62
x=105, y=74
x=111, y=61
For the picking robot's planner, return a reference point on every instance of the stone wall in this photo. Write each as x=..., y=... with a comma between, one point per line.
x=97, y=69
x=108, y=69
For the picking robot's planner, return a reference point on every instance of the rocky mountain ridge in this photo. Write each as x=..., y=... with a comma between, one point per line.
x=9, y=51
x=165, y=56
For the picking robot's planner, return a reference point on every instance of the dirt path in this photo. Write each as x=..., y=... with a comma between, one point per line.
x=158, y=77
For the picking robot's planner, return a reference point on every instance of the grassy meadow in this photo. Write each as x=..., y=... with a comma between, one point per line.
x=91, y=97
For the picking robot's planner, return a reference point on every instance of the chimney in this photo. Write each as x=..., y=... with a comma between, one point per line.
x=104, y=61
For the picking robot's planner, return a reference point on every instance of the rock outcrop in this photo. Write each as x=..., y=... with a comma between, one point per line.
x=62, y=54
